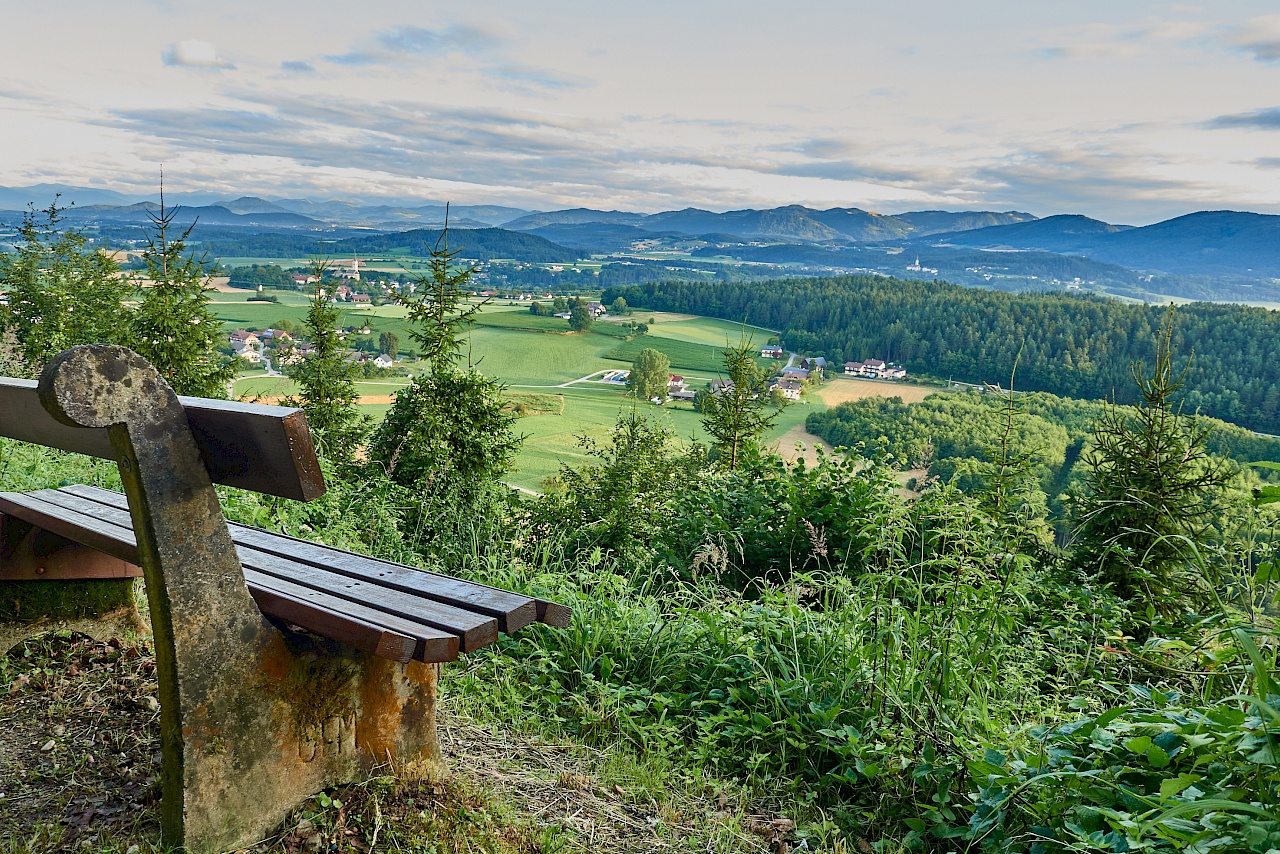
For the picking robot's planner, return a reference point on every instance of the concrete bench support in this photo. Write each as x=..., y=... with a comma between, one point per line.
x=253, y=719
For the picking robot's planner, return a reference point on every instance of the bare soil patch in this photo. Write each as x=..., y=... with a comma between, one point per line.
x=277, y=400
x=799, y=442
x=219, y=284
x=839, y=390
x=79, y=770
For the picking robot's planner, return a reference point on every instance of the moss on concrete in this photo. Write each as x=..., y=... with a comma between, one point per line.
x=319, y=690
x=25, y=601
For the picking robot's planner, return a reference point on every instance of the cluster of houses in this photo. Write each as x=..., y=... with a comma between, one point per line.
x=677, y=390
x=875, y=369
x=596, y=309
x=251, y=347
x=523, y=297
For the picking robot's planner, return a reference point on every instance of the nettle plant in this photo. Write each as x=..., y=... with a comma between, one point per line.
x=1157, y=775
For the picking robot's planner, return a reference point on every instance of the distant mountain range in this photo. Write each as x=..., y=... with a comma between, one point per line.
x=975, y=247
x=791, y=223
x=1208, y=243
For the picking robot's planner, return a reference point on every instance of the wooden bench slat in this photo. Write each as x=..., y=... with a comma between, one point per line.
x=376, y=636
x=374, y=639
x=432, y=645
x=263, y=448
x=512, y=610
x=474, y=630
x=87, y=530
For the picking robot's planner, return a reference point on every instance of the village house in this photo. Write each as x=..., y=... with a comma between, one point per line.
x=790, y=389
x=721, y=386
x=293, y=352
x=242, y=340
x=361, y=298
x=874, y=369
x=771, y=351
x=798, y=374
x=682, y=394
x=596, y=309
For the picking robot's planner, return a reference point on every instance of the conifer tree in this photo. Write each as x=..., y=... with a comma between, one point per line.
x=174, y=328
x=326, y=380
x=1150, y=493
x=61, y=290
x=741, y=411
x=449, y=430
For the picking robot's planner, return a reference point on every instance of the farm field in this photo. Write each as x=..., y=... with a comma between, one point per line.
x=840, y=390
x=705, y=330
x=537, y=364
x=703, y=359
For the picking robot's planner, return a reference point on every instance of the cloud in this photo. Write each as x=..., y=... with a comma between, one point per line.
x=408, y=41
x=193, y=53
x=1107, y=41
x=1087, y=179
x=1092, y=50
x=1268, y=119
x=297, y=66
x=1260, y=37
x=524, y=76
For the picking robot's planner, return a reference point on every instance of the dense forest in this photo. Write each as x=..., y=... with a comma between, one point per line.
x=480, y=244
x=952, y=435
x=1071, y=345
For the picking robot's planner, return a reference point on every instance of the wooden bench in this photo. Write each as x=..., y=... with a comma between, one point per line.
x=284, y=666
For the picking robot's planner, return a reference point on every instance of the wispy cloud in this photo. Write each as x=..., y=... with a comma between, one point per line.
x=408, y=41
x=1260, y=37
x=1268, y=119
x=193, y=53
x=297, y=66
x=1107, y=41
x=1087, y=179
x=524, y=77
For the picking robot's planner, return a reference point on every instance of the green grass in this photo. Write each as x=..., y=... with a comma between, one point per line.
x=509, y=318
x=705, y=330
x=538, y=359
x=684, y=355
x=515, y=346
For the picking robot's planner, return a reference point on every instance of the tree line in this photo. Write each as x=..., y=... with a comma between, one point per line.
x=1079, y=346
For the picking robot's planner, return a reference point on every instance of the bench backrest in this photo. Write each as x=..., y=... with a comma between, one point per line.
x=266, y=449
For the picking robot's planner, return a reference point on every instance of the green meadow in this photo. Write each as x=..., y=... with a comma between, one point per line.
x=536, y=359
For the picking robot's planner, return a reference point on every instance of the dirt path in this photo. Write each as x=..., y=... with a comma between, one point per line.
x=79, y=770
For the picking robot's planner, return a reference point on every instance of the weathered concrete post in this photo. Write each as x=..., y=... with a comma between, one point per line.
x=253, y=719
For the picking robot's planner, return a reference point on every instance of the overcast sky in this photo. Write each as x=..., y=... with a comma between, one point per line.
x=1127, y=111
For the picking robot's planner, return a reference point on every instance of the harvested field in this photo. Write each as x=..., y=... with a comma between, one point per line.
x=798, y=442
x=840, y=390
x=276, y=400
